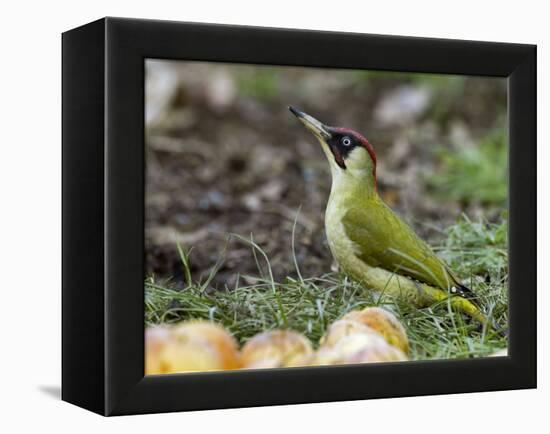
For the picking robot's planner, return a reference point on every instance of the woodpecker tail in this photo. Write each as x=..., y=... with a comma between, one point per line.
x=468, y=294
x=464, y=291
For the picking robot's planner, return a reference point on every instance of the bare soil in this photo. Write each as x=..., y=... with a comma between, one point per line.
x=223, y=159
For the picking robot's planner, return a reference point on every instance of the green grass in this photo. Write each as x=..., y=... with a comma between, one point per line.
x=477, y=250
x=474, y=174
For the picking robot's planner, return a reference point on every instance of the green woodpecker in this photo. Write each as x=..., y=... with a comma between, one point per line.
x=371, y=244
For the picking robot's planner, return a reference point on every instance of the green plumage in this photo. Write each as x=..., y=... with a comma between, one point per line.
x=377, y=248
x=368, y=240
x=385, y=241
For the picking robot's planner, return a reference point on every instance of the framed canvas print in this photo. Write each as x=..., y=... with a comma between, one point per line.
x=257, y=216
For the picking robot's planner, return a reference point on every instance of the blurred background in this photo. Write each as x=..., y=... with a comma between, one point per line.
x=224, y=155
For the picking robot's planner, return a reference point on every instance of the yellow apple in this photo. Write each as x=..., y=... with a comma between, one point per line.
x=189, y=346
x=358, y=348
x=156, y=338
x=342, y=328
x=276, y=348
x=214, y=335
x=385, y=323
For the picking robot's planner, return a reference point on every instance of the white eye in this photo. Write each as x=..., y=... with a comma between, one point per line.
x=346, y=141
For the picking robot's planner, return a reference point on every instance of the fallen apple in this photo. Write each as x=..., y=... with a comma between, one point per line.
x=276, y=348
x=385, y=323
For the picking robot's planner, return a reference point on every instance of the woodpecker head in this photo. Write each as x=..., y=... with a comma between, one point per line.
x=346, y=150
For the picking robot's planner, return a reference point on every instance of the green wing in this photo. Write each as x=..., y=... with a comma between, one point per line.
x=384, y=240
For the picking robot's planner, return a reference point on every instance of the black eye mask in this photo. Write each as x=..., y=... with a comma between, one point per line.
x=341, y=145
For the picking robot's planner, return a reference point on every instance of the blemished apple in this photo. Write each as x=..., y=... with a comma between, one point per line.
x=190, y=355
x=189, y=346
x=156, y=338
x=359, y=348
x=385, y=323
x=276, y=348
x=342, y=328
x=217, y=336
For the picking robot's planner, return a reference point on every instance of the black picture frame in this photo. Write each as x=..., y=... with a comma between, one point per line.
x=103, y=216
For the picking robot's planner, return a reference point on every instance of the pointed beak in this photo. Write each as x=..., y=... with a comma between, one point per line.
x=312, y=124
